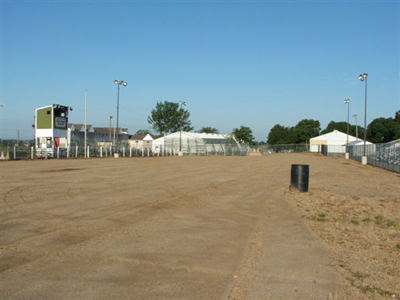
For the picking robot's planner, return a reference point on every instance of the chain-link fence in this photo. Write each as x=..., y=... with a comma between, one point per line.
x=15, y=152
x=284, y=148
x=385, y=156
x=170, y=147
x=196, y=146
x=333, y=150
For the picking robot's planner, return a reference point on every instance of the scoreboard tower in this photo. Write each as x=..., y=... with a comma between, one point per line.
x=51, y=127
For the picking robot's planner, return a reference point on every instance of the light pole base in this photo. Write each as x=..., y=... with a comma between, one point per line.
x=116, y=155
x=180, y=153
x=347, y=155
x=364, y=160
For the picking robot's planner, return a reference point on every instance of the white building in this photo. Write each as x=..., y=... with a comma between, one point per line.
x=141, y=141
x=100, y=136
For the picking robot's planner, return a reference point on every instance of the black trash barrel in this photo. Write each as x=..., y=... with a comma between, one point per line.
x=299, y=177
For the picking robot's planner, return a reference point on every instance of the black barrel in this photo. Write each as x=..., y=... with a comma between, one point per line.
x=299, y=177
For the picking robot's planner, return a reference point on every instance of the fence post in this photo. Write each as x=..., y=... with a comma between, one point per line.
x=31, y=152
x=123, y=151
x=130, y=151
x=58, y=152
x=76, y=151
x=88, y=152
x=15, y=152
x=68, y=151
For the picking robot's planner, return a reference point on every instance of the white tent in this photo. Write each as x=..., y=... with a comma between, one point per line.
x=359, y=142
x=196, y=143
x=335, y=140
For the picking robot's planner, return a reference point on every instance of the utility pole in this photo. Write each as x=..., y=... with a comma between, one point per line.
x=85, y=143
x=355, y=117
x=110, y=128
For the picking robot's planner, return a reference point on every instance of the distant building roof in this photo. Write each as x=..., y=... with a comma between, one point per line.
x=142, y=137
x=335, y=134
x=197, y=135
x=80, y=127
x=100, y=130
x=103, y=130
x=336, y=137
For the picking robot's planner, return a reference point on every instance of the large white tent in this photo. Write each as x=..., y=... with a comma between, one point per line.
x=197, y=143
x=335, y=140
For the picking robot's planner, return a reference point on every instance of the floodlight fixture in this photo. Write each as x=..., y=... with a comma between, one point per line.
x=363, y=76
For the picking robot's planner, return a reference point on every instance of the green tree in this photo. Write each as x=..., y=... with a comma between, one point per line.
x=143, y=132
x=397, y=116
x=167, y=117
x=208, y=130
x=244, y=135
x=342, y=127
x=305, y=130
x=383, y=130
x=280, y=135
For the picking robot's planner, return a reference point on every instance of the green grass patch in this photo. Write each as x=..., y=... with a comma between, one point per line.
x=378, y=219
x=359, y=275
x=367, y=220
x=355, y=222
x=397, y=246
x=376, y=290
x=390, y=223
x=320, y=217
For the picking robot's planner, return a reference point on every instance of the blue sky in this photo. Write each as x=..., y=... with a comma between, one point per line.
x=256, y=63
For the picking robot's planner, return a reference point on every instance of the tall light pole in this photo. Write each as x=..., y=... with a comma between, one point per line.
x=355, y=117
x=1, y=123
x=119, y=83
x=182, y=103
x=363, y=77
x=85, y=137
x=347, y=101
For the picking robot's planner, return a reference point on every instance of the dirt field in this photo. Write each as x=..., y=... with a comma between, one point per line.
x=198, y=228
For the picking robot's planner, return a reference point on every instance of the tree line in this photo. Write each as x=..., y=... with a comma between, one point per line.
x=380, y=130
x=168, y=117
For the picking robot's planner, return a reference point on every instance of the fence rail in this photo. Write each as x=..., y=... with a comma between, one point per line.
x=385, y=156
x=284, y=148
x=169, y=148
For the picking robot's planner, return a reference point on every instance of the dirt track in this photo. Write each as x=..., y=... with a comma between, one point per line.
x=165, y=228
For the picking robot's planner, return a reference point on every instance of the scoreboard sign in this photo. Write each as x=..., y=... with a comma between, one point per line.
x=60, y=122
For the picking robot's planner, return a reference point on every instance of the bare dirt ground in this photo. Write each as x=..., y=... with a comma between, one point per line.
x=198, y=228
